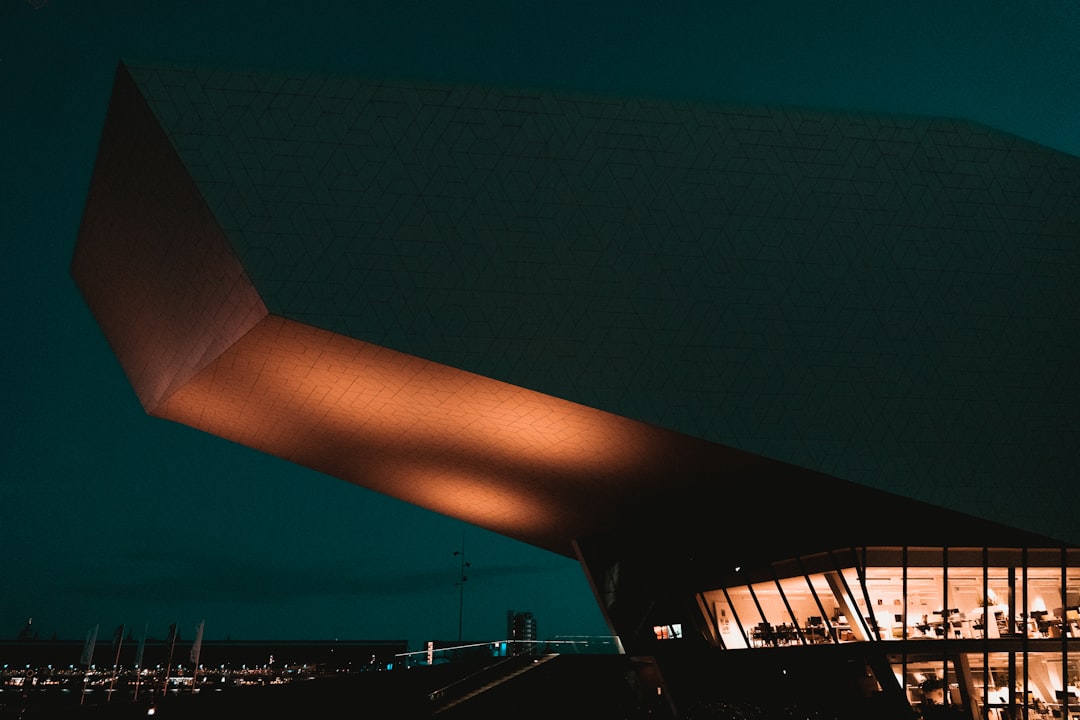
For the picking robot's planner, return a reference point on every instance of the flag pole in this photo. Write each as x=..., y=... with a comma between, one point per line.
x=118, y=637
x=138, y=660
x=88, y=658
x=168, y=665
x=195, y=650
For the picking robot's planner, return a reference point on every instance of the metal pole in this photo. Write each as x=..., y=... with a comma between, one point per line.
x=139, y=660
x=461, y=587
x=168, y=666
x=116, y=661
x=88, y=653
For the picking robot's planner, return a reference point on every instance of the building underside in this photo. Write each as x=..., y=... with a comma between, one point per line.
x=782, y=381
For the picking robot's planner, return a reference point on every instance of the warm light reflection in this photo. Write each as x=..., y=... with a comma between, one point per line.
x=917, y=602
x=519, y=462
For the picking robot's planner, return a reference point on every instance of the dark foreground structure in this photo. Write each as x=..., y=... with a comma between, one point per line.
x=796, y=388
x=602, y=687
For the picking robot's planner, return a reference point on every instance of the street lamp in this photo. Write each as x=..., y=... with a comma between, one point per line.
x=461, y=585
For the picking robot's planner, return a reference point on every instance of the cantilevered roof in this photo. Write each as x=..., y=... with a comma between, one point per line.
x=532, y=310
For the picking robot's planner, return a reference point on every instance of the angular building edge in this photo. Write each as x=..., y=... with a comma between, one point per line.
x=151, y=262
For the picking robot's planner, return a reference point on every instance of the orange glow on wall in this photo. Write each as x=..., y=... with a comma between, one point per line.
x=471, y=447
x=200, y=347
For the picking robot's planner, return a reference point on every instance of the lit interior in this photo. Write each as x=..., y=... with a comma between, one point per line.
x=931, y=605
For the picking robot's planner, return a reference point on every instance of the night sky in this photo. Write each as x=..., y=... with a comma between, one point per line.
x=110, y=516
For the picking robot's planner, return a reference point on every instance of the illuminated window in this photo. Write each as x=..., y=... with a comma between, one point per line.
x=668, y=632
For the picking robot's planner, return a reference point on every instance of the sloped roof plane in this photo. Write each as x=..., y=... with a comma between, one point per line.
x=531, y=311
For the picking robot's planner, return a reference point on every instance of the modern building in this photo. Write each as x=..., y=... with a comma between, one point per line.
x=521, y=631
x=794, y=386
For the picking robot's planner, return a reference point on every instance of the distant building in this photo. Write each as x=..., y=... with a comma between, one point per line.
x=520, y=631
x=28, y=632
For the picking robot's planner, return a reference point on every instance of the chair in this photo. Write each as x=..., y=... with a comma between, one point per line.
x=765, y=633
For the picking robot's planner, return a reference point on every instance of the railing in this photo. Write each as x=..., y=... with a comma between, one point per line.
x=486, y=677
x=559, y=645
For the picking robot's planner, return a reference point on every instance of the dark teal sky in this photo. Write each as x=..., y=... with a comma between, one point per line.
x=109, y=516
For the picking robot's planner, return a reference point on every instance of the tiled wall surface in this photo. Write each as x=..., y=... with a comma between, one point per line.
x=891, y=300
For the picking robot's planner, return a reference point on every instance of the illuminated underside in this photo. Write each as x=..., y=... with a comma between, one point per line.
x=200, y=348
x=204, y=345
x=518, y=462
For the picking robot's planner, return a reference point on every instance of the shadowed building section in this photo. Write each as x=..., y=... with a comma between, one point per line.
x=199, y=347
x=890, y=300
x=167, y=289
x=622, y=330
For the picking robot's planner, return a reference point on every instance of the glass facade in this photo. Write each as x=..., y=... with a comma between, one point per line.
x=996, y=630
